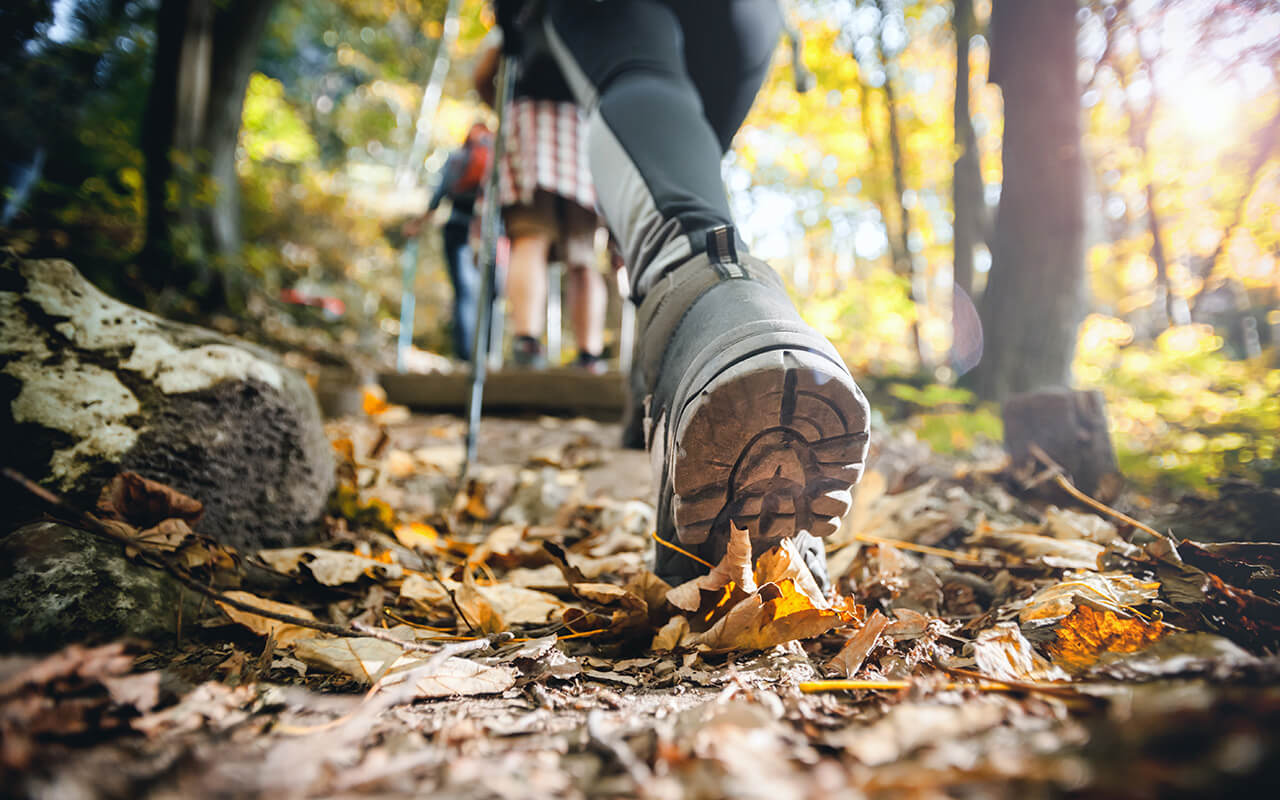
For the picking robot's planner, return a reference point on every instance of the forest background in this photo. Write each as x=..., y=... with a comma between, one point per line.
x=307, y=131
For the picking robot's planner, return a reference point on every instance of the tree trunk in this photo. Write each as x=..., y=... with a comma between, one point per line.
x=1034, y=299
x=967, y=197
x=903, y=263
x=238, y=30
x=205, y=52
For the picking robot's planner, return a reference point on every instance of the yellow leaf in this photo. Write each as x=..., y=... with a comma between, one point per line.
x=417, y=535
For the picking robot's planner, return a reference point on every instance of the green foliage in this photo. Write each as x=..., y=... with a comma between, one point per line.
x=1183, y=412
x=271, y=129
x=956, y=432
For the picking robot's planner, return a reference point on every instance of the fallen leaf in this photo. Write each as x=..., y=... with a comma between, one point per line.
x=907, y=624
x=671, y=635
x=726, y=584
x=328, y=567
x=284, y=632
x=211, y=704
x=500, y=541
x=1115, y=590
x=399, y=465
x=777, y=613
x=417, y=536
x=457, y=676
x=1003, y=653
x=1063, y=554
x=494, y=608
x=1065, y=523
x=850, y=658
x=1086, y=634
x=373, y=399
x=144, y=503
x=364, y=658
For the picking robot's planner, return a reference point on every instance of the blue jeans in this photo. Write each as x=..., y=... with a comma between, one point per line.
x=466, y=285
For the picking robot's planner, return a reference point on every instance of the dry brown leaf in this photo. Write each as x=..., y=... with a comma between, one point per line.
x=1114, y=590
x=500, y=541
x=1086, y=634
x=328, y=567
x=907, y=624
x=144, y=503
x=168, y=535
x=850, y=658
x=1063, y=554
x=1003, y=653
x=479, y=612
x=732, y=577
x=671, y=635
x=366, y=659
x=607, y=594
x=458, y=676
x=284, y=632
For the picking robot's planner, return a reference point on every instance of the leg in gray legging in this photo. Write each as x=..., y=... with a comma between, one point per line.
x=666, y=86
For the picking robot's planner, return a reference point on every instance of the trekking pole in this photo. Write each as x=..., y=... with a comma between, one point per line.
x=409, y=265
x=489, y=230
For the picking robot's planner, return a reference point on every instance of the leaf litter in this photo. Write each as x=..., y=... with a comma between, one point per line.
x=506, y=638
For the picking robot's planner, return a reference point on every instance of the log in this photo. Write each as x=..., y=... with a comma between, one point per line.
x=1071, y=427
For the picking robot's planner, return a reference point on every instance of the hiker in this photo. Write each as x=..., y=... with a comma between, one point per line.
x=548, y=209
x=460, y=181
x=752, y=418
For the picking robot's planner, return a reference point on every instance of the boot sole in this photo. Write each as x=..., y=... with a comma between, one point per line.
x=773, y=444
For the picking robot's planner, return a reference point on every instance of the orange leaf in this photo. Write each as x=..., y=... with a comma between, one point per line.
x=1085, y=634
x=373, y=399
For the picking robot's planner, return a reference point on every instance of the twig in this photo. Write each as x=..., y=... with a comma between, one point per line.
x=93, y=525
x=462, y=615
x=1064, y=691
x=1060, y=479
x=379, y=633
x=919, y=548
x=681, y=551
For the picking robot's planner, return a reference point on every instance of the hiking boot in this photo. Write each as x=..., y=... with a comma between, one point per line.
x=753, y=419
x=527, y=351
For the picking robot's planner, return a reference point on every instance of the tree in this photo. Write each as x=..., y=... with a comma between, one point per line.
x=1034, y=298
x=966, y=190
x=205, y=52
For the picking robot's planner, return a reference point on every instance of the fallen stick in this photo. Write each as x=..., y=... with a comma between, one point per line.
x=1060, y=478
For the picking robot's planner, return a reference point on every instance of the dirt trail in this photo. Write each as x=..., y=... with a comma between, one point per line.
x=1107, y=666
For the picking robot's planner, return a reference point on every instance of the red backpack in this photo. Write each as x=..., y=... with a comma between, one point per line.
x=479, y=149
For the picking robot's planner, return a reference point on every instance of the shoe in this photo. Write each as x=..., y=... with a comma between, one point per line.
x=753, y=418
x=527, y=352
x=591, y=363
